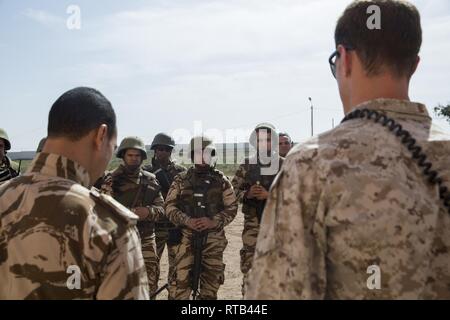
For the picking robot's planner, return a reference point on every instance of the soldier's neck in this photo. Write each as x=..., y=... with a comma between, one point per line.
x=202, y=169
x=384, y=86
x=131, y=170
x=162, y=163
x=71, y=150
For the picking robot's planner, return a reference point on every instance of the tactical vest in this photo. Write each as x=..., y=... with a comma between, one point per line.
x=201, y=194
x=165, y=176
x=253, y=176
x=135, y=195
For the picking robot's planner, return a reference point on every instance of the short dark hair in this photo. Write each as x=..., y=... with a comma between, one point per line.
x=396, y=45
x=79, y=111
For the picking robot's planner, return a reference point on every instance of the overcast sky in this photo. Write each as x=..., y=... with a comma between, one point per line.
x=166, y=64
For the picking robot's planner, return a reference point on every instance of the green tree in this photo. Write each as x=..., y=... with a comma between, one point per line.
x=443, y=111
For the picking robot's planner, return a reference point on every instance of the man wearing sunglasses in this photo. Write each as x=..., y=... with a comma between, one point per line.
x=361, y=211
x=165, y=170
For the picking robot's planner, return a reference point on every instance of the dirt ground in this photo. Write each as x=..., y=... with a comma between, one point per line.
x=231, y=289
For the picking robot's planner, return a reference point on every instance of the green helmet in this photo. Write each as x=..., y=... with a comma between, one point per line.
x=162, y=139
x=41, y=145
x=132, y=143
x=4, y=136
x=266, y=126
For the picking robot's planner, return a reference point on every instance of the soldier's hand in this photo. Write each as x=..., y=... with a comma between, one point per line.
x=141, y=212
x=253, y=191
x=192, y=224
x=206, y=223
x=262, y=193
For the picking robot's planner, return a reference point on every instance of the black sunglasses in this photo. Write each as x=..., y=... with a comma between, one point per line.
x=334, y=56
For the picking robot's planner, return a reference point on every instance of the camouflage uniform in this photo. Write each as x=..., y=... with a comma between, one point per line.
x=248, y=174
x=222, y=208
x=352, y=198
x=125, y=186
x=50, y=221
x=8, y=170
x=165, y=231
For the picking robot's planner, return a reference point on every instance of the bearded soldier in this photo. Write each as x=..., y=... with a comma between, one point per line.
x=138, y=190
x=251, y=183
x=202, y=202
x=8, y=168
x=165, y=171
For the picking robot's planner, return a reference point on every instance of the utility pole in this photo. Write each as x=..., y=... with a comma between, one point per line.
x=312, y=117
x=332, y=123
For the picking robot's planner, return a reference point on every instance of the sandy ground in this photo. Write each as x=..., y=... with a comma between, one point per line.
x=231, y=289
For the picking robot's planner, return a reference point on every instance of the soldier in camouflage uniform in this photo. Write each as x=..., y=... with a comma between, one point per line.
x=362, y=211
x=58, y=239
x=139, y=191
x=201, y=201
x=165, y=171
x=8, y=169
x=251, y=184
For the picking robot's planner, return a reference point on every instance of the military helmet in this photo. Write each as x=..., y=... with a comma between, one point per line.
x=131, y=143
x=162, y=139
x=263, y=125
x=200, y=141
x=206, y=145
x=41, y=145
x=4, y=136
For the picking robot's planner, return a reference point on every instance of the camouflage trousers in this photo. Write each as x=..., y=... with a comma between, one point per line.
x=162, y=235
x=213, y=269
x=249, y=237
x=150, y=259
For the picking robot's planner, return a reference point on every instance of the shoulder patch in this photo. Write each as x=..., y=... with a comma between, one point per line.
x=114, y=206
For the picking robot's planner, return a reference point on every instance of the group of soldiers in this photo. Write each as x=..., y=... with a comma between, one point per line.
x=165, y=196
x=358, y=212
x=174, y=204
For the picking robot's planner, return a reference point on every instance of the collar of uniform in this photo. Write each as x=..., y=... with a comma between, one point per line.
x=122, y=169
x=403, y=107
x=55, y=165
x=157, y=164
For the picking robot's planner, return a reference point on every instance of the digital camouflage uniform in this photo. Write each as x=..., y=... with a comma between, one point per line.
x=222, y=208
x=353, y=198
x=165, y=231
x=248, y=174
x=50, y=222
x=140, y=188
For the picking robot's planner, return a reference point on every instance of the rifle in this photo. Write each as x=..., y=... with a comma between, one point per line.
x=163, y=180
x=255, y=178
x=198, y=242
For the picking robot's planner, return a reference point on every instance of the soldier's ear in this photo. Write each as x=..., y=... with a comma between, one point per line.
x=101, y=136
